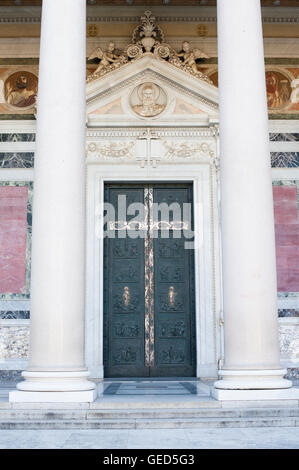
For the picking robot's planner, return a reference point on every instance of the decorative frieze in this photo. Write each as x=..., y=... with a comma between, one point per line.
x=112, y=150
x=159, y=145
x=186, y=150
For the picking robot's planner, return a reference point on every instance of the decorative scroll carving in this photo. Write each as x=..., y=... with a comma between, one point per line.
x=148, y=38
x=112, y=150
x=186, y=150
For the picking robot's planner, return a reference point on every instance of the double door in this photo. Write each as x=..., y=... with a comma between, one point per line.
x=149, y=299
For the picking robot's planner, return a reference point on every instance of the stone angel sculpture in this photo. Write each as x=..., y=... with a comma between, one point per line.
x=189, y=56
x=107, y=58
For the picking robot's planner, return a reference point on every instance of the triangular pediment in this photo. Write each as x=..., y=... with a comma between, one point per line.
x=150, y=92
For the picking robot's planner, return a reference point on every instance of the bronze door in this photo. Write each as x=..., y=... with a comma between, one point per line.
x=149, y=299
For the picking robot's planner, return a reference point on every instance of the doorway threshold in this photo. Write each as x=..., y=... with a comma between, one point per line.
x=156, y=386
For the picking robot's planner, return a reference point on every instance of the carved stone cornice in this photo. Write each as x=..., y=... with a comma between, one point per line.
x=160, y=19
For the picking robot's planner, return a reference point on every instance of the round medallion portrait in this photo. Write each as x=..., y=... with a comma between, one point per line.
x=21, y=89
x=278, y=90
x=148, y=100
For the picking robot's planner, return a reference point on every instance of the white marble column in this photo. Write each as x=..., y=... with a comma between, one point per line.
x=252, y=357
x=57, y=371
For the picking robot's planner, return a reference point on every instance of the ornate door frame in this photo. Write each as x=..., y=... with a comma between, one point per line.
x=203, y=175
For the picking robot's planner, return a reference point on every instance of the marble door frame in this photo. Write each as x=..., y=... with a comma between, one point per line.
x=209, y=342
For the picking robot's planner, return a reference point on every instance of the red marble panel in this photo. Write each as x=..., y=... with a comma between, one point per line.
x=13, y=238
x=287, y=237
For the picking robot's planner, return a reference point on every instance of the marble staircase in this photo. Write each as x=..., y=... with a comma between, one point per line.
x=150, y=418
x=145, y=405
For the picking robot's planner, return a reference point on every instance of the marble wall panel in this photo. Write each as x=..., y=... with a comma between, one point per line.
x=17, y=137
x=17, y=160
x=289, y=342
x=14, y=342
x=285, y=159
x=285, y=312
x=293, y=374
x=16, y=315
x=287, y=235
x=15, y=239
x=284, y=137
x=8, y=376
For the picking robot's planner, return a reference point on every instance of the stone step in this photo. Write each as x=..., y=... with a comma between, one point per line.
x=97, y=415
x=162, y=423
x=194, y=413
x=150, y=403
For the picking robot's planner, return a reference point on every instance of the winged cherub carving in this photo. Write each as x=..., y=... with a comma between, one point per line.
x=106, y=57
x=189, y=55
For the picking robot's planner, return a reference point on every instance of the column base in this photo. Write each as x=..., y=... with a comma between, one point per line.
x=68, y=386
x=252, y=380
x=52, y=397
x=255, y=395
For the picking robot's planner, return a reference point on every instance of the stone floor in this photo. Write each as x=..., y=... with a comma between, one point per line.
x=251, y=438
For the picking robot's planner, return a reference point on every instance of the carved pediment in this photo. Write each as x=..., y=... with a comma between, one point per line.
x=150, y=92
x=150, y=84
